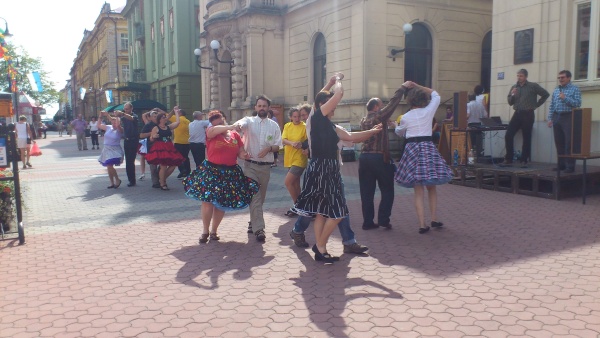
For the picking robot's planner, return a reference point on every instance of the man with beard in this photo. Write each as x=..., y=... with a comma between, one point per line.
x=262, y=137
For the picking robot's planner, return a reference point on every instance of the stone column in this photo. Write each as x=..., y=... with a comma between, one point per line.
x=214, y=84
x=237, y=71
x=254, y=62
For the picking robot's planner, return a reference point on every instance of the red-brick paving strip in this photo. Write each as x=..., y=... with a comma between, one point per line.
x=126, y=262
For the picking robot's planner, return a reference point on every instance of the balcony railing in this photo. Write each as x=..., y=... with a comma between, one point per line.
x=139, y=75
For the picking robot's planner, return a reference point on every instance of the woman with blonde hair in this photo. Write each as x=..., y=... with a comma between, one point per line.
x=294, y=134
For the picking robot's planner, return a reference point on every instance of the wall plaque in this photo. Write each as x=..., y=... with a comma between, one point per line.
x=523, y=46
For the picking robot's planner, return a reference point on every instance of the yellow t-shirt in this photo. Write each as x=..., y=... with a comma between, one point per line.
x=181, y=134
x=292, y=156
x=399, y=119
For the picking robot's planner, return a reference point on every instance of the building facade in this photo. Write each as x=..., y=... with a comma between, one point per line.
x=164, y=34
x=289, y=49
x=101, y=62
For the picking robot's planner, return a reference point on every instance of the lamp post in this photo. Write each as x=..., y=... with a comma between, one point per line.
x=407, y=28
x=215, y=45
x=198, y=52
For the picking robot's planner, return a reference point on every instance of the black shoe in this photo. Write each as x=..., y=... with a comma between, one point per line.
x=506, y=164
x=387, y=225
x=181, y=175
x=436, y=224
x=131, y=184
x=260, y=235
x=250, y=228
x=423, y=230
x=156, y=186
x=321, y=257
x=355, y=248
x=299, y=239
x=370, y=227
x=569, y=170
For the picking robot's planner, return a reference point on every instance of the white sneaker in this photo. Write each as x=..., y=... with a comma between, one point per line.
x=142, y=176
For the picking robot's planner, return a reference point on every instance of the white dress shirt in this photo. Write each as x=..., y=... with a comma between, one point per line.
x=198, y=131
x=258, y=135
x=417, y=122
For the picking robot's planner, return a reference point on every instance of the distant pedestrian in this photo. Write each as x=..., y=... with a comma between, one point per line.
x=219, y=181
x=60, y=128
x=79, y=125
x=198, y=137
x=94, y=133
x=24, y=140
x=112, y=153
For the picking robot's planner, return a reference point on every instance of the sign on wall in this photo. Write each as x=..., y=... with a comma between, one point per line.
x=523, y=46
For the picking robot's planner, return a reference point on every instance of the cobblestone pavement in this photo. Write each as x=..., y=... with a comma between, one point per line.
x=120, y=263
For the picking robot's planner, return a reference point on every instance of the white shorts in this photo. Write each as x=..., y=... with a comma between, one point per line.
x=21, y=143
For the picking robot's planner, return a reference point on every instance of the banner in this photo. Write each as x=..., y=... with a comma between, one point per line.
x=82, y=93
x=109, y=96
x=35, y=81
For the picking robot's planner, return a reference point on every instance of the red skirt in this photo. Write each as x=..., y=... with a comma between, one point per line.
x=164, y=153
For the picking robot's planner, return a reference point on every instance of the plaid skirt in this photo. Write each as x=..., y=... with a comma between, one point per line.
x=226, y=187
x=323, y=190
x=422, y=164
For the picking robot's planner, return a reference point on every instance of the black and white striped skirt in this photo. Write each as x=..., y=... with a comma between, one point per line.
x=323, y=190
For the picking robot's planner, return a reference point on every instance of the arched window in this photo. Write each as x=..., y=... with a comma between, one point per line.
x=486, y=61
x=319, y=63
x=418, y=55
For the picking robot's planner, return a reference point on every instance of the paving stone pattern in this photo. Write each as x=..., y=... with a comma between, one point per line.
x=126, y=263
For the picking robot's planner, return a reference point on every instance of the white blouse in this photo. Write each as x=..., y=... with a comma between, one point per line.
x=417, y=122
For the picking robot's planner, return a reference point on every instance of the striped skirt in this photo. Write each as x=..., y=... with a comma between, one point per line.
x=422, y=164
x=323, y=190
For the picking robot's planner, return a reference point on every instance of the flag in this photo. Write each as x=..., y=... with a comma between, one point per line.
x=35, y=81
x=109, y=95
x=82, y=93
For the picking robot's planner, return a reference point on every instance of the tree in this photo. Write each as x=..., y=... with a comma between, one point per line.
x=27, y=64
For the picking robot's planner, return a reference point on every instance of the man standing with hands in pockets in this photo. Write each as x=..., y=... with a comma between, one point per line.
x=262, y=137
x=565, y=97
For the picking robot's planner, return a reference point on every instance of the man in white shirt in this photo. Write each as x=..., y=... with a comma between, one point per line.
x=198, y=137
x=262, y=137
x=475, y=111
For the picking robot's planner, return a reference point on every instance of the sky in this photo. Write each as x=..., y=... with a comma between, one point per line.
x=52, y=32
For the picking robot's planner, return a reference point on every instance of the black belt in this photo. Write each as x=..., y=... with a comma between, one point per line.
x=419, y=139
x=524, y=110
x=259, y=163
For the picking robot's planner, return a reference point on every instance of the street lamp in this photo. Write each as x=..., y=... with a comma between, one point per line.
x=6, y=32
x=198, y=52
x=215, y=45
x=407, y=28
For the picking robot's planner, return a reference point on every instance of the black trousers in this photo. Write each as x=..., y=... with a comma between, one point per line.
x=184, y=150
x=373, y=172
x=130, y=147
x=562, y=139
x=522, y=119
x=94, y=136
x=198, y=152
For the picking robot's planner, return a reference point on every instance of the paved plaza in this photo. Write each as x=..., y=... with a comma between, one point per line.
x=126, y=263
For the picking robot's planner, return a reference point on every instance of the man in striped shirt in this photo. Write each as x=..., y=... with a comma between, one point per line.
x=523, y=96
x=565, y=97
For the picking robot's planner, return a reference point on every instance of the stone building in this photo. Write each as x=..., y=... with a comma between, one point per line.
x=164, y=35
x=101, y=62
x=289, y=49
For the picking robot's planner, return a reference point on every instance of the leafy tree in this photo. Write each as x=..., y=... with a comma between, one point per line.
x=27, y=64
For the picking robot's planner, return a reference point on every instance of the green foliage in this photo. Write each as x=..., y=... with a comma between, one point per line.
x=28, y=64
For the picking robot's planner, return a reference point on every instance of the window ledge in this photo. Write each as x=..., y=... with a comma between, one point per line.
x=587, y=85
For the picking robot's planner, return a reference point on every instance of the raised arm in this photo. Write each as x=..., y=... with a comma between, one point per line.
x=99, y=122
x=176, y=123
x=329, y=106
x=216, y=130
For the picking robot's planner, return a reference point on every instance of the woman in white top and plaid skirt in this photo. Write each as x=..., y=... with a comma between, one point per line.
x=421, y=164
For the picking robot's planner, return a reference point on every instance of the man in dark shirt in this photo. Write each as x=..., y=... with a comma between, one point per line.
x=375, y=166
x=145, y=133
x=129, y=122
x=523, y=97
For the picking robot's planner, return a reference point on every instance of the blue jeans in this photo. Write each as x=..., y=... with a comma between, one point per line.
x=302, y=224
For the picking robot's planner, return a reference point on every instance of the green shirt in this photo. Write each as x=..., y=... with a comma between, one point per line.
x=526, y=96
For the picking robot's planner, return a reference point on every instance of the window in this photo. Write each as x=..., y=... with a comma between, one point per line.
x=125, y=72
x=587, y=18
x=418, y=55
x=320, y=63
x=124, y=41
x=163, y=94
x=486, y=61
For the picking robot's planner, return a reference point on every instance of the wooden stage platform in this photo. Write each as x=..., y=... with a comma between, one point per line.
x=538, y=179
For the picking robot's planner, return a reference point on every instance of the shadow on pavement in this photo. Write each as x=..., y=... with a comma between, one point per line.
x=238, y=257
